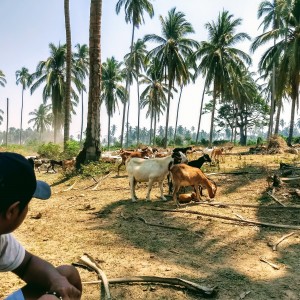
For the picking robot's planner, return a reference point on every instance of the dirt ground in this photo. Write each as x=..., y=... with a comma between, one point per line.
x=210, y=251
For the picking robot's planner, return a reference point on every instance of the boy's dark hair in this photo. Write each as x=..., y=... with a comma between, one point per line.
x=18, y=182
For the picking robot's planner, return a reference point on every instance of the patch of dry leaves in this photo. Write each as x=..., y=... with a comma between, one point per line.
x=213, y=252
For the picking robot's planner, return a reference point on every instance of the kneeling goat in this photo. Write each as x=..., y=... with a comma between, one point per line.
x=184, y=175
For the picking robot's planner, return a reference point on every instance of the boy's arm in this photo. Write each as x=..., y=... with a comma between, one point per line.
x=45, y=277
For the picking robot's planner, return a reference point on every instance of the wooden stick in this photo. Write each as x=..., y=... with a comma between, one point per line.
x=69, y=188
x=229, y=218
x=90, y=262
x=269, y=263
x=159, y=225
x=271, y=195
x=222, y=204
x=274, y=247
x=95, y=187
x=195, y=287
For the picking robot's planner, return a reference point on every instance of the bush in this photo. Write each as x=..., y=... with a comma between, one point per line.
x=50, y=150
x=72, y=149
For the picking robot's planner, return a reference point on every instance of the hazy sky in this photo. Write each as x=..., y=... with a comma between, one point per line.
x=28, y=26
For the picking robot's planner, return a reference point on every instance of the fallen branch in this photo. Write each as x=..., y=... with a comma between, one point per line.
x=192, y=286
x=159, y=225
x=290, y=178
x=229, y=218
x=90, y=262
x=221, y=204
x=274, y=247
x=69, y=188
x=269, y=263
x=272, y=196
x=95, y=187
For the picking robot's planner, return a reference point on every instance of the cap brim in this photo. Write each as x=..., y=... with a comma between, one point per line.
x=42, y=191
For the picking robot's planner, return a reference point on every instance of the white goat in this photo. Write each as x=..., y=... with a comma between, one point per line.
x=149, y=170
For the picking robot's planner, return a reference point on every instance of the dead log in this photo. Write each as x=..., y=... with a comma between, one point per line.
x=274, y=198
x=192, y=286
x=274, y=246
x=90, y=262
x=229, y=218
x=269, y=263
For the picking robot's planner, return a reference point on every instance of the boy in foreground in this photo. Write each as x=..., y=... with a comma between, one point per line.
x=18, y=185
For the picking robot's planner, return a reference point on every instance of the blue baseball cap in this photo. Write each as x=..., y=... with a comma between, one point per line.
x=18, y=181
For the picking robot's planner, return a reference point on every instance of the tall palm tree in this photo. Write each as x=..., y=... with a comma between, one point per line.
x=81, y=67
x=286, y=53
x=67, y=100
x=173, y=48
x=112, y=90
x=136, y=61
x=134, y=13
x=22, y=77
x=41, y=118
x=91, y=148
x=2, y=79
x=218, y=57
x=52, y=73
x=154, y=94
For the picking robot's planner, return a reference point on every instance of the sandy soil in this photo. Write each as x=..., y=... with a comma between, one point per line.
x=210, y=251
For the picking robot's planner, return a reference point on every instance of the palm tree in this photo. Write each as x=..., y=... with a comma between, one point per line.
x=134, y=13
x=2, y=79
x=219, y=59
x=174, y=47
x=136, y=61
x=112, y=90
x=81, y=70
x=42, y=118
x=67, y=100
x=22, y=77
x=91, y=148
x=154, y=95
x=52, y=73
x=285, y=53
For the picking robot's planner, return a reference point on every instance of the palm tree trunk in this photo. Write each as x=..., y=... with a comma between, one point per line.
x=108, y=133
x=139, y=113
x=276, y=131
x=91, y=149
x=127, y=90
x=200, y=115
x=212, y=118
x=177, y=113
x=291, y=130
x=68, y=74
x=167, y=117
x=81, y=128
x=6, y=136
x=21, y=117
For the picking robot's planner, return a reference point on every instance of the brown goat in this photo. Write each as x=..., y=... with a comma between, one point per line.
x=217, y=154
x=186, y=198
x=184, y=175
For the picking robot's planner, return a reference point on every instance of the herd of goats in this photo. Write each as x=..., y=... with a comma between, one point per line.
x=152, y=165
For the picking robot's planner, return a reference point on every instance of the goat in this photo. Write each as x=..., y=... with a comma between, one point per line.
x=126, y=154
x=183, y=150
x=218, y=153
x=52, y=163
x=183, y=160
x=68, y=164
x=148, y=170
x=186, y=198
x=185, y=175
x=197, y=163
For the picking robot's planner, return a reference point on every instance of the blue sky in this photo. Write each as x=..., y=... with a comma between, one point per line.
x=28, y=26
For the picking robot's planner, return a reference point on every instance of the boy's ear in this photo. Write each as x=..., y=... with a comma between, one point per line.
x=12, y=211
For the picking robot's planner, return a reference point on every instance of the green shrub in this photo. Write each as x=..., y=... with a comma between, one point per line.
x=50, y=150
x=72, y=149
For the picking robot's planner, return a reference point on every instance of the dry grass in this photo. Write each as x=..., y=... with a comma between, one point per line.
x=213, y=252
